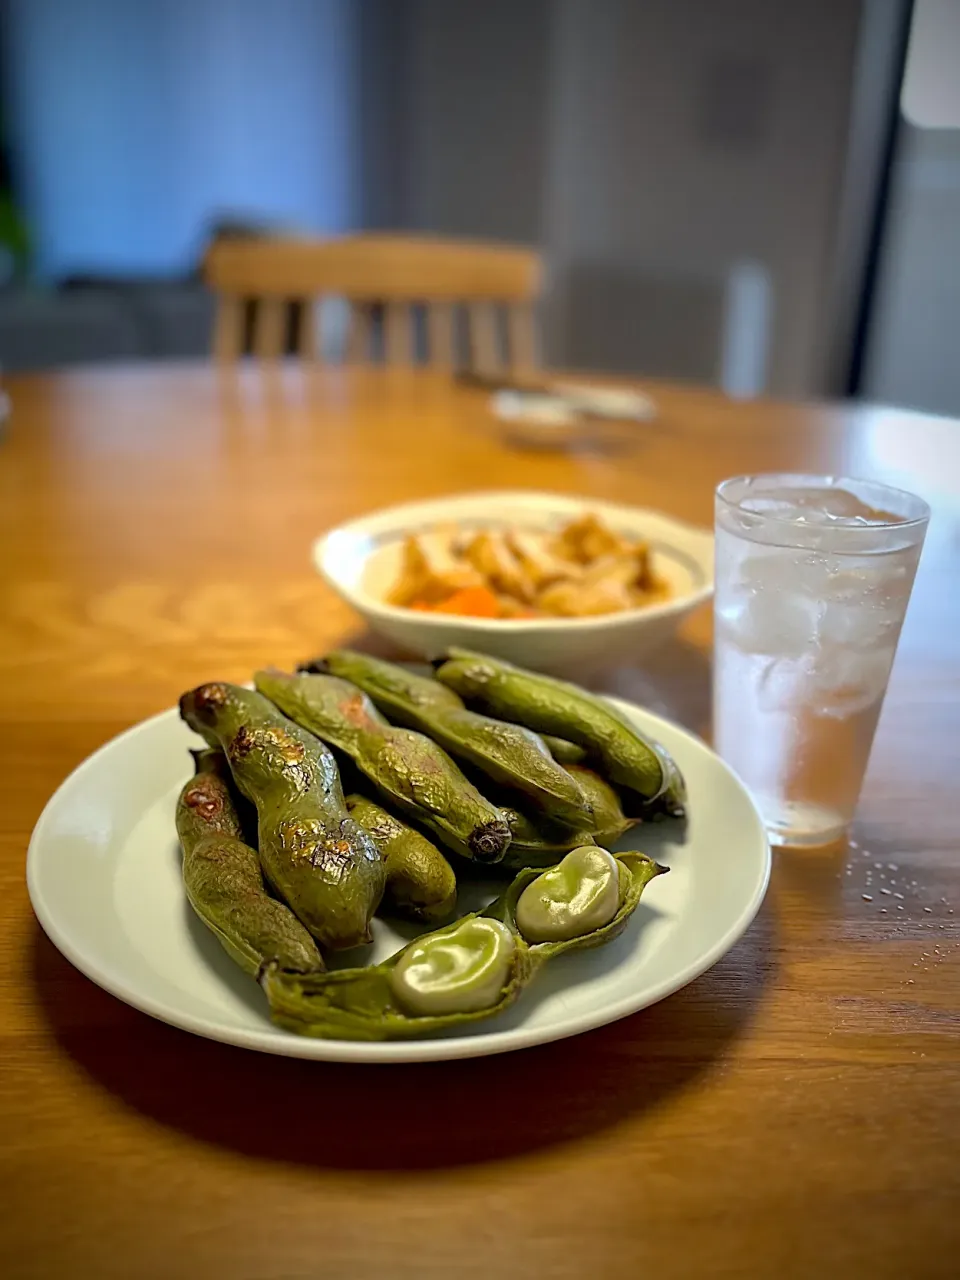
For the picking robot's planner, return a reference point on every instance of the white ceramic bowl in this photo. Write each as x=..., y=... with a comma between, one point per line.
x=361, y=562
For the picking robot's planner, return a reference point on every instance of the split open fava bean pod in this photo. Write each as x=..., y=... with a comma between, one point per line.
x=472, y=969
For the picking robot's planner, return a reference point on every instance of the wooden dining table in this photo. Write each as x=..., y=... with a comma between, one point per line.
x=793, y=1112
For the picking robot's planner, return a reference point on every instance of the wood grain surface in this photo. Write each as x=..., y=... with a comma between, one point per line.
x=795, y=1112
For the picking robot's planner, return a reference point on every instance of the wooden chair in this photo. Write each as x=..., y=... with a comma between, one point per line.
x=390, y=275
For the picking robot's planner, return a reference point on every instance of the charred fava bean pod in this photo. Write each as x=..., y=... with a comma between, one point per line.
x=553, y=706
x=536, y=842
x=406, y=768
x=224, y=882
x=510, y=755
x=607, y=822
x=454, y=976
x=468, y=971
x=316, y=857
x=420, y=881
x=564, y=752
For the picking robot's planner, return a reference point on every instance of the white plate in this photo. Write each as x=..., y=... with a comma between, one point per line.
x=103, y=870
x=360, y=560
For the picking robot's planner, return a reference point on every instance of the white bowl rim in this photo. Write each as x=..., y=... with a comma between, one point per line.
x=365, y=603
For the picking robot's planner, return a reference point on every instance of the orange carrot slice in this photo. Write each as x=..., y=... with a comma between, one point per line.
x=471, y=602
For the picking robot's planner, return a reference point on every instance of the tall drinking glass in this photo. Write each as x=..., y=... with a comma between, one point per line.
x=812, y=583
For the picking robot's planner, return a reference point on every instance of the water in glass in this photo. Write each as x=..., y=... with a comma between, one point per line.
x=812, y=586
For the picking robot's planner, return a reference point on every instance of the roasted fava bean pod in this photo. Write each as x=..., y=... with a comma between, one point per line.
x=564, y=752
x=537, y=842
x=553, y=706
x=406, y=768
x=473, y=969
x=512, y=756
x=324, y=866
x=608, y=822
x=420, y=881
x=224, y=883
x=457, y=975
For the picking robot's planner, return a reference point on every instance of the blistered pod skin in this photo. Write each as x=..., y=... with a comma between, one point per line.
x=314, y=855
x=510, y=755
x=546, y=705
x=224, y=883
x=420, y=881
x=462, y=969
x=407, y=769
x=579, y=895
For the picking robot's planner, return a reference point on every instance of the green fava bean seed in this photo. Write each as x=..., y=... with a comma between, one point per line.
x=579, y=895
x=458, y=970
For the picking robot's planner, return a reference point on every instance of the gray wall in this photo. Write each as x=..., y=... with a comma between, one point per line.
x=914, y=353
x=478, y=116
x=650, y=146
x=382, y=89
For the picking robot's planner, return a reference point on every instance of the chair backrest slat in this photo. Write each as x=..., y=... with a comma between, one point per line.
x=268, y=326
x=440, y=334
x=383, y=277
x=398, y=333
x=522, y=337
x=484, y=340
x=307, y=347
x=228, y=328
x=359, y=333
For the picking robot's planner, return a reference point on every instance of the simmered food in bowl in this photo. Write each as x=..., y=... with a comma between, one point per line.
x=584, y=569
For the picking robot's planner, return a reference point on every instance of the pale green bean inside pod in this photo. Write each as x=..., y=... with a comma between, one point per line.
x=457, y=970
x=579, y=895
